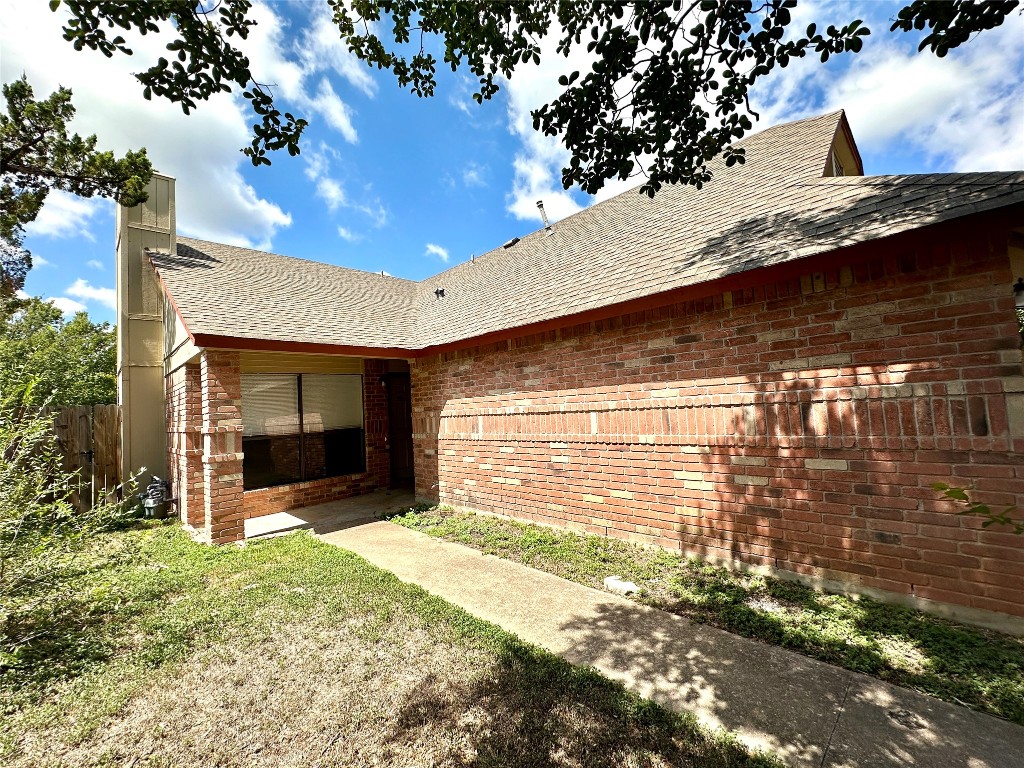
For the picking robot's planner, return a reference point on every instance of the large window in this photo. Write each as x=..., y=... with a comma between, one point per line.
x=301, y=427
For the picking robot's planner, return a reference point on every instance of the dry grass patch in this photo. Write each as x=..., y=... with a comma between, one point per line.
x=291, y=652
x=303, y=695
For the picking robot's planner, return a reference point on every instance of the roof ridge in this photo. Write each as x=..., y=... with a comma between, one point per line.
x=775, y=208
x=834, y=114
x=679, y=240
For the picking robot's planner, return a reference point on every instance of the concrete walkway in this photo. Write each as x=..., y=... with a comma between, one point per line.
x=810, y=713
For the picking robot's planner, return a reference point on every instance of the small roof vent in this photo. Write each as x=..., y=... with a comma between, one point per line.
x=511, y=242
x=544, y=215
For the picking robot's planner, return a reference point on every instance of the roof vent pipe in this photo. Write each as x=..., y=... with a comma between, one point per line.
x=543, y=215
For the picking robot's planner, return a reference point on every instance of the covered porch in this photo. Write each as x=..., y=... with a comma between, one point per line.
x=283, y=436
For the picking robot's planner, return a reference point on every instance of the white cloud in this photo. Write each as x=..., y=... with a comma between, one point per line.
x=371, y=207
x=965, y=111
x=538, y=164
x=67, y=306
x=270, y=47
x=64, y=215
x=462, y=97
x=95, y=264
x=336, y=112
x=473, y=175
x=331, y=190
x=322, y=47
x=200, y=150
x=267, y=48
x=535, y=180
x=348, y=235
x=319, y=159
x=39, y=261
x=437, y=250
x=794, y=91
x=82, y=289
x=539, y=161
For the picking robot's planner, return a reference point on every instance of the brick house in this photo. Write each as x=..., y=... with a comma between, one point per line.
x=769, y=372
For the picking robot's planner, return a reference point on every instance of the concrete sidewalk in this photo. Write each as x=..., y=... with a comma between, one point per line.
x=808, y=712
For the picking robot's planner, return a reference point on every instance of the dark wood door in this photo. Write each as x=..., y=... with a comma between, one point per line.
x=400, y=429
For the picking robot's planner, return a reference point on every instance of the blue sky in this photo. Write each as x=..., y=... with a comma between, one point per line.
x=390, y=181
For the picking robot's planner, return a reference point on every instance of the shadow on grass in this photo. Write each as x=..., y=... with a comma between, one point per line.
x=983, y=670
x=533, y=710
x=328, y=660
x=55, y=643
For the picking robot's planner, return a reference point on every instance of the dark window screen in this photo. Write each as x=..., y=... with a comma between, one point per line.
x=330, y=442
x=332, y=418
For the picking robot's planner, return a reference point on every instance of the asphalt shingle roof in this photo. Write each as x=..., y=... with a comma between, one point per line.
x=776, y=207
x=223, y=290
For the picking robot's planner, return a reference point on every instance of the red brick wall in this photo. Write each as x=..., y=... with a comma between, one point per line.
x=221, y=387
x=795, y=423
x=281, y=498
x=266, y=501
x=184, y=442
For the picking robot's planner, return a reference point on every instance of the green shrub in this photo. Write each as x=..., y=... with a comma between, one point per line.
x=41, y=536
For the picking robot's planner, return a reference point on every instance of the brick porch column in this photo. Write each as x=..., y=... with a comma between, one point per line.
x=190, y=465
x=222, y=446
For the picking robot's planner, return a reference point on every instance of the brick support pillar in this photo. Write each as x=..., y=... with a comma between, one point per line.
x=221, y=386
x=190, y=465
x=184, y=441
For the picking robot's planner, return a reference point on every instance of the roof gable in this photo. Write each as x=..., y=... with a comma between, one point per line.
x=843, y=156
x=223, y=290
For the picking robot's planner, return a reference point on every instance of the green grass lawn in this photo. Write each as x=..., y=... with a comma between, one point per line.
x=980, y=669
x=294, y=652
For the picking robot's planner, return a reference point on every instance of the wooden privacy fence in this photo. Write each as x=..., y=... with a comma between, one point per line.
x=89, y=438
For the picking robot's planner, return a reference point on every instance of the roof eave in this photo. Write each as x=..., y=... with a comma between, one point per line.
x=242, y=343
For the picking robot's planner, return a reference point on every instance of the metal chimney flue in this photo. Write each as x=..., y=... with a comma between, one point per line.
x=544, y=215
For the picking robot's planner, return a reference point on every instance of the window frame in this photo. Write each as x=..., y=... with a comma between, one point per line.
x=302, y=433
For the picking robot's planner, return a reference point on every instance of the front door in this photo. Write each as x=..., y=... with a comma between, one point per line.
x=400, y=429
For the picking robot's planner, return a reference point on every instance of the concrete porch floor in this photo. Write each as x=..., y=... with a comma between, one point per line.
x=332, y=516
